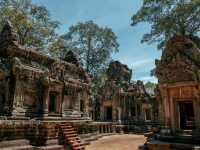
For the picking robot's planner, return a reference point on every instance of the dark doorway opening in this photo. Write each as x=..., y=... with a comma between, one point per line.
x=81, y=105
x=133, y=111
x=2, y=103
x=52, y=102
x=109, y=113
x=147, y=114
x=138, y=111
x=186, y=111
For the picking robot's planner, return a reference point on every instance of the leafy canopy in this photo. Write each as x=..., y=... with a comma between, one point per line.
x=32, y=23
x=58, y=48
x=94, y=44
x=168, y=18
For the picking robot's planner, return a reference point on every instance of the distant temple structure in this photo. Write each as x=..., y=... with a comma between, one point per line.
x=123, y=100
x=178, y=94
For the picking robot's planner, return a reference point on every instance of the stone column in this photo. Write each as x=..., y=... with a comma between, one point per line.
x=85, y=98
x=109, y=128
x=165, y=106
x=101, y=128
x=119, y=115
x=59, y=103
x=46, y=102
x=196, y=105
x=77, y=102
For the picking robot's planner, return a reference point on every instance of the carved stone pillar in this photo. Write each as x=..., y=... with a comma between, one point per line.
x=197, y=109
x=18, y=107
x=119, y=115
x=46, y=101
x=165, y=106
x=77, y=103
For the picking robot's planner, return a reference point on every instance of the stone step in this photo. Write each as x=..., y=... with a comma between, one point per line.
x=65, y=127
x=74, y=138
x=68, y=129
x=69, y=132
x=79, y=148
x=70, y=135
x=82, y=142
x=77, y=144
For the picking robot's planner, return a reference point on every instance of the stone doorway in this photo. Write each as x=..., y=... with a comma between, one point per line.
x=108, y=113
x=147, y=114
x=186, y=114
x=2, y=102
x=82, y=105
x=52, y=102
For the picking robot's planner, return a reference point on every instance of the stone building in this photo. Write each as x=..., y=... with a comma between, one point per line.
x=35, y=85
x=124, y=100
x=178, y=94
x=44, y=102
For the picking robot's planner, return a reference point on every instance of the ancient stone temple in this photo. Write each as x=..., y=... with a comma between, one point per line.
x=44, y=102
x=36, y=85
x=124, y=100
x=40, y=97
x=178, y=95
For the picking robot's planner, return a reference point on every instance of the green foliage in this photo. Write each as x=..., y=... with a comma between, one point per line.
x=32, y=23
x=58, y=48
x=94, y=45
x=149, y=86
x=168, y=18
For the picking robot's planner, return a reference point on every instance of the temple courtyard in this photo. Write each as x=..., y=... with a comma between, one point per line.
x=118, y=142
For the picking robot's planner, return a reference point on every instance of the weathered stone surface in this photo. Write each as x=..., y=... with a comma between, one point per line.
x=123, y=100
x=180, y=61
x=178, y=93
x=30, y=80
x=119, y=72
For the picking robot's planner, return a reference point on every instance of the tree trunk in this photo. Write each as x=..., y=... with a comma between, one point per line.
x=88, y=55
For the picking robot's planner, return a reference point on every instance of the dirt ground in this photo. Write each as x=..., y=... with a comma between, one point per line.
x=118, y=142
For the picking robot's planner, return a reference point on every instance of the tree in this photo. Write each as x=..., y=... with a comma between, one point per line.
x=94, y=45
x=58, y=48
x=32, y=23
x=150, y=87
x=168, y=18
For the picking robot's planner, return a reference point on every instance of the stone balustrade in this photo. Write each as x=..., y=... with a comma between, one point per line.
x=41, y=132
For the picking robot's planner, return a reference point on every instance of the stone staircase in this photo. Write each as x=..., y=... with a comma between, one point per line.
x=71, y=137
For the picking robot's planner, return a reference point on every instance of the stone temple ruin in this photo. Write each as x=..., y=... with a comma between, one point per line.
x=125, y=101
x=44, y=102
x=178, y=96
x=35, y=85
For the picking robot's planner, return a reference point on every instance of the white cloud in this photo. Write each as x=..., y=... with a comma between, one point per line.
x=142, y=63
x=148, y=78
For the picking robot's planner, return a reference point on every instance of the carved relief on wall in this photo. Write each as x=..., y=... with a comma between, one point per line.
x=27, y=98
x=68, y=102
x=182, y=92
x=57, y=71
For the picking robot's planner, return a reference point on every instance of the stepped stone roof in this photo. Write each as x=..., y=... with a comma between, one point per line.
x=180, y=61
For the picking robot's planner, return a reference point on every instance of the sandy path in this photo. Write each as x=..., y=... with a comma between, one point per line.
x=118, y=142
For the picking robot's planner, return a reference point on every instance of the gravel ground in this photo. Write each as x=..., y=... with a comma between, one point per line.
x=118, y=142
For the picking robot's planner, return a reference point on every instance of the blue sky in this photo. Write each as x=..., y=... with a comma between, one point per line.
x=115, y=14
